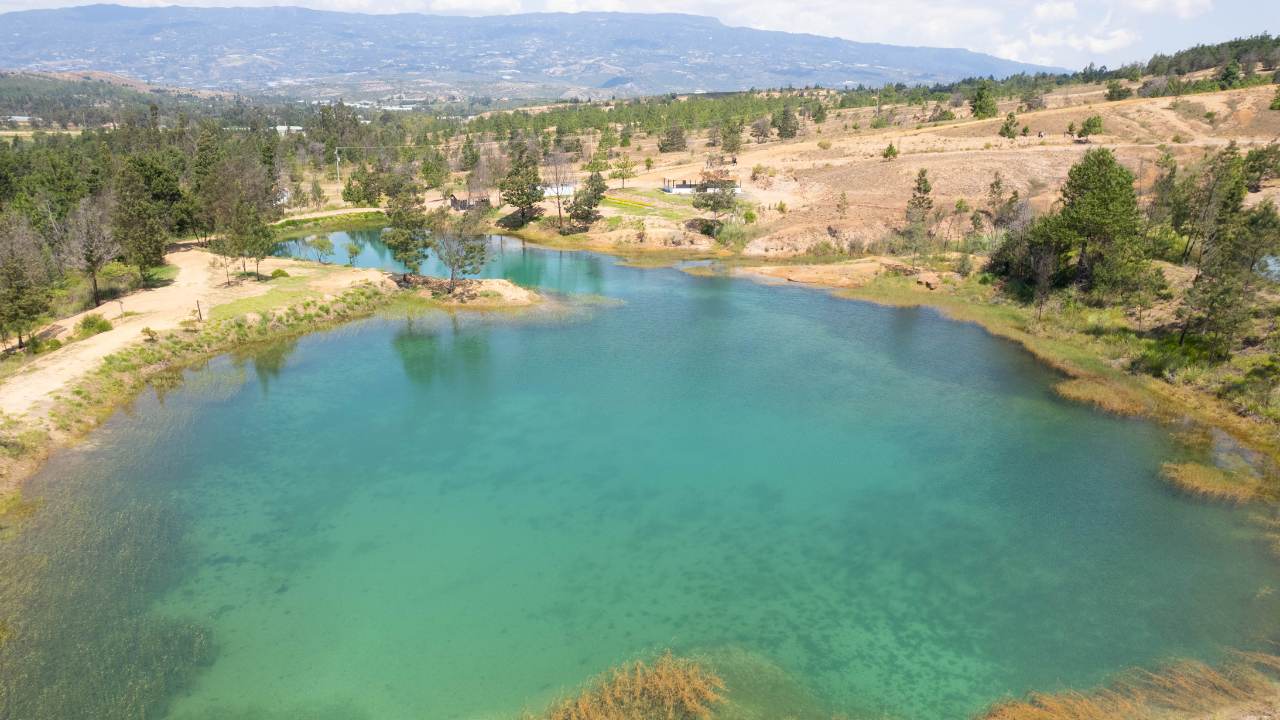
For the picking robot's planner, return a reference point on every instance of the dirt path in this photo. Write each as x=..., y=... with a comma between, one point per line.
x=28, y=391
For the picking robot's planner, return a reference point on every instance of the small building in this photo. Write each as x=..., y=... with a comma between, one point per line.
x=561, y=190
x=684, y=187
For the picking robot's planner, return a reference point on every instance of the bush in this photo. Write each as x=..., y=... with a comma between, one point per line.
x=38, y=345
x=92, y=324
x=279, y=273
x=1166, y=356
x=824, y=144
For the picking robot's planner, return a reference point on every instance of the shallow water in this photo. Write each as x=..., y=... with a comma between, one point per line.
x=457, y=517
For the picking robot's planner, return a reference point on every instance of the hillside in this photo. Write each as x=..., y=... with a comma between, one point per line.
x=322, y=54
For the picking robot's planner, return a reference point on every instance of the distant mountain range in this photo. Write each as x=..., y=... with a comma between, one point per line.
x=310, y=53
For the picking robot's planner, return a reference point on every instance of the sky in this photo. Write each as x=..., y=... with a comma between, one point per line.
x=1063, y=33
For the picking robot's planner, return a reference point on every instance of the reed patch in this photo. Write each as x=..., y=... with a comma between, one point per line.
x=669, y=688
x=1181, y=687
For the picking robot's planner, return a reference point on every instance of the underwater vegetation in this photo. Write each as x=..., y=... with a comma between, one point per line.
x=669, y=688
x=1181, y=687
x=77, y=639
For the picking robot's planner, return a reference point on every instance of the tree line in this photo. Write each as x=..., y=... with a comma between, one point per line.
x=109, y=201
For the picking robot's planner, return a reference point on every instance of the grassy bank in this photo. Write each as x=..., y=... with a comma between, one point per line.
x=632, y=255
x=346, y=221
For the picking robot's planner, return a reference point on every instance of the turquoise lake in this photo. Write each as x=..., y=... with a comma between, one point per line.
x=870, y=511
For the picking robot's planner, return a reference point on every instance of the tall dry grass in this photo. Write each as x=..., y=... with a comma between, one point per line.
x=1182, y=687
x=670, y=688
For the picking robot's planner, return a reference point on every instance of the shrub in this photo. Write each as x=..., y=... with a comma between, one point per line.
x=279, y=273
x=890, y=152
x=824, y=144
x=1167, y=356
x=671, y=688
x=92, y=324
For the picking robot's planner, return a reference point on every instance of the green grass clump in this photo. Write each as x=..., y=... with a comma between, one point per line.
x=91, y=325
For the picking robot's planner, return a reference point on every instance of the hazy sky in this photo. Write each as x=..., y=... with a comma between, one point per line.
x=1067, y=33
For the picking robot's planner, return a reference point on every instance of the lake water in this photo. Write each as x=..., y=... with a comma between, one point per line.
x=852, y=509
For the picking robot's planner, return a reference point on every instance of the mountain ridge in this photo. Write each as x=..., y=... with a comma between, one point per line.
x=319, y=53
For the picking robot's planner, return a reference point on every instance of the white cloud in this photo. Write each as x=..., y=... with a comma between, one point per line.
x=1055, y=10
x=1183, y=9
x=1103, y=42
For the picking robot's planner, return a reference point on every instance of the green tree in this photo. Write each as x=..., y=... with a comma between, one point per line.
x=582, y=209
x=731, y=136
x=363, y=187
x=1275, y=101
x=522, y=186
x=673, y=140
x=889, y=153
x=24, y=295
x=1010, y=127
x=136, y=221
x=608, y=140
x=918, y=209
x=1002, y=205
x=624, y=168
x=1092, y=125
x=786, y=123
x=407, y=234
x=317, y=194
x=459, y=244
x=1230, y=75
x=717, y=193
x=1117, y=90
x=598, y=163
x=983, y=102
x=1100, y=209
x=435, y=169
x=252, y=236
x=470, y=154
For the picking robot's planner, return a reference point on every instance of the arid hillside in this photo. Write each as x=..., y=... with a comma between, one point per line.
x=843, y=155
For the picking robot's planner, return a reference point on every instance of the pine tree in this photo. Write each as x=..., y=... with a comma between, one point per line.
x=1010, y=127
x=407, y=234
x=582, y=209
x=136, y=222
x=731, y=137
x=470, y=154
x=983, y=102
x=673, y=140
x=522, y=186
x=23, y=295
x=919, y=207
x=1100, y=208
x=786, y=123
